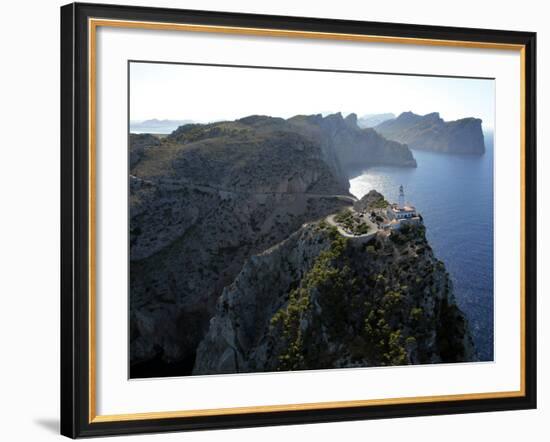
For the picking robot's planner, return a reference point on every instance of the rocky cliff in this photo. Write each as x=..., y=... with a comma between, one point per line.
x=201, y=202
x=139, y=143
x=430, y=132
x=207, y=197
x=318, y=300
x=354, y=148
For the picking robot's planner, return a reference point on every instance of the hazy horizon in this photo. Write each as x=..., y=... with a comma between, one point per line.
x=190, y=121
x=159, y=91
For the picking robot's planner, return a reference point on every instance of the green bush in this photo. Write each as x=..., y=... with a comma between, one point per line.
x=351, y=222
x=325, y=276
x=416, y=314
x=380, y=204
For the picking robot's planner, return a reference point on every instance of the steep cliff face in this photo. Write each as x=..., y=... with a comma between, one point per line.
x=201, y=202
x=354, y=148
x=430, y=132
x=319, y=300
x=139, y=143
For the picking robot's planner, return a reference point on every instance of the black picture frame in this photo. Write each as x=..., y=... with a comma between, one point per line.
x=75, y=219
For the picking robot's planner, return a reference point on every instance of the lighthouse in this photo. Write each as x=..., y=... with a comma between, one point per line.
x=401, y=200
x=400, y=211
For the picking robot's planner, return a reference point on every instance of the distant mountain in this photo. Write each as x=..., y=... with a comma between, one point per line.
x=430, y=132
x=371, y=120
x=156, y=126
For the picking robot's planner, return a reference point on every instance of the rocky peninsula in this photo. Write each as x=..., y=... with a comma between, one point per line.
x=431, y=132
x=322, y=300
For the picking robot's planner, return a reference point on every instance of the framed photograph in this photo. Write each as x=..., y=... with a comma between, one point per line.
x=274, y=220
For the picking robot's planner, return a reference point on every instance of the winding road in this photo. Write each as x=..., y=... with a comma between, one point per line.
x=212, y=189
x=373, y=229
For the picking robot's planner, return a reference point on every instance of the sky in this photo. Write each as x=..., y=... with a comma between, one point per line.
x=213, y=93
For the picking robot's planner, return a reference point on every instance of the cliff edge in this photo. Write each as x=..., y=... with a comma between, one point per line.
x=319, y=300
x=430, y=132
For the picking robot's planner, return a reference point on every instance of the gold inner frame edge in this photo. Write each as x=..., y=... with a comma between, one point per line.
x=93, y=24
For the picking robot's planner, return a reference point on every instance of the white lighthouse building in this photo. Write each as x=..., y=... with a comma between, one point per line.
x=401, y=197
x=401, y=210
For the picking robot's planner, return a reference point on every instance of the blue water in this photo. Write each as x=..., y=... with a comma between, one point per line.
x=454, y=194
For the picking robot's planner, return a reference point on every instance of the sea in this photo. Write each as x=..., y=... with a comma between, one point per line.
x=454, y=195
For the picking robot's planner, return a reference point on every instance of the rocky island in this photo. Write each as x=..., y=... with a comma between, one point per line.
x=431, y=132
x=235, y=264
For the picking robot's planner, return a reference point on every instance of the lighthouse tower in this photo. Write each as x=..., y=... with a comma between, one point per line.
x=401, y=197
